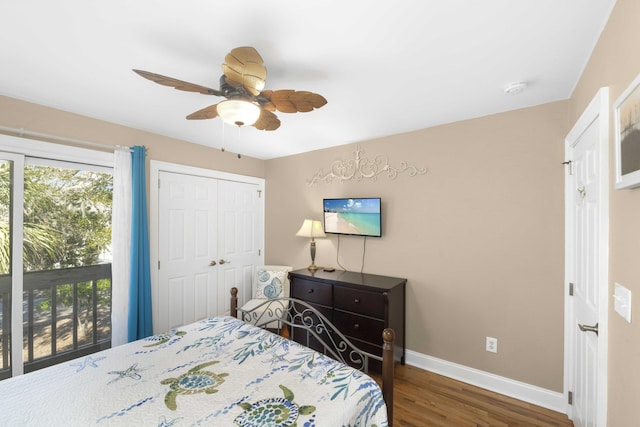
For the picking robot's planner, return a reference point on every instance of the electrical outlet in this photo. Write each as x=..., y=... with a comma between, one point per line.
x=492, y=344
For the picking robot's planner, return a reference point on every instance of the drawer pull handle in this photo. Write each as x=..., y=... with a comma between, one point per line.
x=356, y=326
x=310, y=291
x=356, y=300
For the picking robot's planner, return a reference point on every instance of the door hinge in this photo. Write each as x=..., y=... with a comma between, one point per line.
x=158, y=182
x=570, y=164
x=259, y=194
x=259, y=252
x=570, y=398
x=158, y=264
x=571, y=289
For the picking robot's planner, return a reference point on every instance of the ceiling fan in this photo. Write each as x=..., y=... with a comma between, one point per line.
x=242, y=83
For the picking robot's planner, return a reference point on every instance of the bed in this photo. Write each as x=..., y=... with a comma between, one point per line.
x=219, y=371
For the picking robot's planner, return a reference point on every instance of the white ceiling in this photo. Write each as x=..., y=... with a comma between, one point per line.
x=385, y=67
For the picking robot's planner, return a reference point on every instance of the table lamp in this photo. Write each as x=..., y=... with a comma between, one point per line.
x=311, y=228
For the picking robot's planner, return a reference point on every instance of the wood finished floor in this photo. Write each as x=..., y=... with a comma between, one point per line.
x=423, y=398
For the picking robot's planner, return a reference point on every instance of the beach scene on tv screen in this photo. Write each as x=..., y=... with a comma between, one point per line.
x=352, y=216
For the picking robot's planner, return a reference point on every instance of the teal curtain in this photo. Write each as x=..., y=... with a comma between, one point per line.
x=140, y=319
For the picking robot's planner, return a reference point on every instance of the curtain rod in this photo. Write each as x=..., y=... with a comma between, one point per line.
x=20, y=132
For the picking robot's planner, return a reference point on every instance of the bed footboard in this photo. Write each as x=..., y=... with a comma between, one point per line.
x=296, y=318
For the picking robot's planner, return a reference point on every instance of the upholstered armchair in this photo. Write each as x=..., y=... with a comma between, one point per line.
x=269, y=283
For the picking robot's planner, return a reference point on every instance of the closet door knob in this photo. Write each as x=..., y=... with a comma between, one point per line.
x=212, y=263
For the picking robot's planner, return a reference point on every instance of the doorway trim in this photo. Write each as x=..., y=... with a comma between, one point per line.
x=597, y=108
x=155, y=167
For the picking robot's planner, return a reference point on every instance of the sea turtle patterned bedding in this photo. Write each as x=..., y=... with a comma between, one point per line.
x=215, y=372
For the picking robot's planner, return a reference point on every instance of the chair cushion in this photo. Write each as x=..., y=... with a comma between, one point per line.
x=270, y=283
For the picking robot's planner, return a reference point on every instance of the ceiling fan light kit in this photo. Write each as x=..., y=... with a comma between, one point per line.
x=238, y=112
x=242, y=83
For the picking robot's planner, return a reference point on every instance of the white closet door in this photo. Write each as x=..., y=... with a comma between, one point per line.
x=209, y=241
x=188, y=286
x=238, y=240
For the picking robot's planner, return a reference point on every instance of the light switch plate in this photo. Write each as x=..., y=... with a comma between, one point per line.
x=622, y=301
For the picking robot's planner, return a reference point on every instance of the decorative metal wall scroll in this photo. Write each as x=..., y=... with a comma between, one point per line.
x=360, y=168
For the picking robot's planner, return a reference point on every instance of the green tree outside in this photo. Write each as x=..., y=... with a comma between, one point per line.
x=67, y=217
x=67, y=223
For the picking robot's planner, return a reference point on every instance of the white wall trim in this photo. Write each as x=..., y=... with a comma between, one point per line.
x=48, y=150
x=518, y=390
x=156, y=166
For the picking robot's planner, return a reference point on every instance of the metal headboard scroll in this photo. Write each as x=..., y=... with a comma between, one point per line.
x=360, y=168
x=307, y=323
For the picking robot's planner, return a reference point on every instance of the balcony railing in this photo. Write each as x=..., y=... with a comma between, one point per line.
x=66, y=314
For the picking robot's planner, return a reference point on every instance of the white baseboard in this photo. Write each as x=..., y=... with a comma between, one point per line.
x=516, y=389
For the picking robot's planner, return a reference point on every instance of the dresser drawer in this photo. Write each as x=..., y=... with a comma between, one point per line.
x=364, y=328
x=308, y=290
x=359, y=301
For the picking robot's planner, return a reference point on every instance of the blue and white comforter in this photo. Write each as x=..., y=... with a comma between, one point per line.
x=216, y=372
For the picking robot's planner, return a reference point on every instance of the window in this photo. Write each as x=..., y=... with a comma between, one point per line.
x=64, y=273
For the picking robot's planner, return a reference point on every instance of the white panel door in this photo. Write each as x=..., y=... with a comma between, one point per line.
x=239, y=239
x=586, y=280
x=587, y=231
x=188, y=283
x=209, y=238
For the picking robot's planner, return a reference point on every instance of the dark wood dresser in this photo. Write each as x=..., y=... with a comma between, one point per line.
x=359, y=305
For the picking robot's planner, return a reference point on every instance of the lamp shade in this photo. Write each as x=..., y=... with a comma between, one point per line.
x=311, y=228
x=238, y=112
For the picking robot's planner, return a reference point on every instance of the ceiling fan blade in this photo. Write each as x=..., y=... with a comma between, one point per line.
x=244, y=67
x=210, y=112
x=268, y=105
x=178, y=84
x=267, y=121
x=292, y=101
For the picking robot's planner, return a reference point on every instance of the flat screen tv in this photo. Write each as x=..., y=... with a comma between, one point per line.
x=353, y=216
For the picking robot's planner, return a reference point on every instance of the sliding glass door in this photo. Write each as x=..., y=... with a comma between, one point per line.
x=55, y=261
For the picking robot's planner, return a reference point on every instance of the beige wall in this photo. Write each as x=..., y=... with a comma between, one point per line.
x=615, y=63
x=479, y=236
x=36, y=118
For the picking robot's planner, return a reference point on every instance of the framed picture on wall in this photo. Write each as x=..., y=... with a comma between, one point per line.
x=627, y=136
